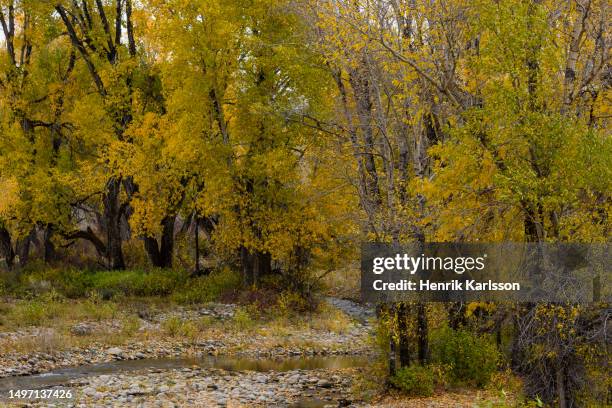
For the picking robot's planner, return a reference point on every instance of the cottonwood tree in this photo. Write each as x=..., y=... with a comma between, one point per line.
x=244, y=162
x=35, y=67
x=112, y=75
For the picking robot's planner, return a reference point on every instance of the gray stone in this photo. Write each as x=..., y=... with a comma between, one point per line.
x=81, y=329
x=324, y=384
x=89, y=391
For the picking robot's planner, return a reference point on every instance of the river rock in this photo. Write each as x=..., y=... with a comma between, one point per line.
x=89, y=391
x=81, y=329
x=324, y=383
x=115, y=351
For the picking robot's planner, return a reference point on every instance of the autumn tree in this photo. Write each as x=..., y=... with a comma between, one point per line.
x=35, y=144
x=109, y=69
x=243, y=161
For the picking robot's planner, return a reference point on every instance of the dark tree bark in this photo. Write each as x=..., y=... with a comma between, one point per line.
x=22, y=248
x=255, y=265
x=197, y=245
x=361, y=88
x=161, y=255
x=50, y=253
x=90, y=236
x=403, y=314
x=392, y=358
x=6, y=248
x=112, y=216
x=422, y=333
x=206, y=225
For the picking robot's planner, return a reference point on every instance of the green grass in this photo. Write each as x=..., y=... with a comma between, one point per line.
x=208, y=288
x=74, y=283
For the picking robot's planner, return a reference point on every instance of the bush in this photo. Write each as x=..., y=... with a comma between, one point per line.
x=208, y=288
x=38, y=312
x=97, y=309
x=74, y=283
x=131, y=325
x=471, y=359
x=242, y=319
x=156, y=282
x=174, y=326
x=415, y=380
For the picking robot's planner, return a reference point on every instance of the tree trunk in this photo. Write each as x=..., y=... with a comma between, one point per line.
x=560, y=380
x=392, y=356
x=112, y=216
x=255, y=265
x=6, y=248
x=167, y=241
x=161, y=255
x=22, y=248
x=422, y=333
x=361, y=88
x=50, y=254
x=247, y=265
x=404, y=337
x=197, y=245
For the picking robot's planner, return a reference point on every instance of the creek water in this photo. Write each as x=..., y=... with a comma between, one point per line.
x=70, y=375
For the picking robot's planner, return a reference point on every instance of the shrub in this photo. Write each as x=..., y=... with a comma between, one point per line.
x=37, y=312
x=74, y=283
x=208, y=288
x=175, y=326
x=331, y=319
x=242, y=319
x=471, y=359
x=131, y=325
x=97, y=309
x=415, y=380
x=156, y=282
x=289, y=302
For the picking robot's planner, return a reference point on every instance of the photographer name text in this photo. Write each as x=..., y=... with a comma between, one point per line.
x=454, y=285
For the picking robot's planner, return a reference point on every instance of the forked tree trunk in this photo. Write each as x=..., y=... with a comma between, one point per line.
x=23, y=245
x=161, y=255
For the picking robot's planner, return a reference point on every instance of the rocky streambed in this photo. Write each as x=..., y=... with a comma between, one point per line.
x=301, y=368
x=303, y=382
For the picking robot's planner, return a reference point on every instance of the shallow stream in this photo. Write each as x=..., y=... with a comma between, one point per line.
x=70, y=375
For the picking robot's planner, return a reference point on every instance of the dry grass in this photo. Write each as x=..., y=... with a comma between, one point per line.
x=344, y=282
x=116, y=323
